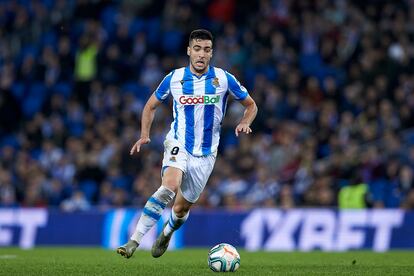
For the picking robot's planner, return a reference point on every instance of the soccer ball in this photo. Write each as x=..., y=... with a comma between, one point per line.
x=223, y=258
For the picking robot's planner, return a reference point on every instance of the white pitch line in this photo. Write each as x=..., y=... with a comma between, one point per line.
x=7, y=257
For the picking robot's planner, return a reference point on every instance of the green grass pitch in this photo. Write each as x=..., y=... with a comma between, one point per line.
x=96, y=261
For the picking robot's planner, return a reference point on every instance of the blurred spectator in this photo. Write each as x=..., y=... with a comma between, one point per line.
x=334, y=82
x=354, y=195
x=7, y=192
x=263, y=191
x=408, y=203
x=85, y=68
x=77, y=202
x=286, y=200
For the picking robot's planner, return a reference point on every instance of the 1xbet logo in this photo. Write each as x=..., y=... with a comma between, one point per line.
x=198, y=99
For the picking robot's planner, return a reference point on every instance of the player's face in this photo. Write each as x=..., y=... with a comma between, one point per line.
x=200, y=52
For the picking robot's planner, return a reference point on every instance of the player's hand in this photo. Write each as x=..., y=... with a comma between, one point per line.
x=243, y=128
x=137, y=146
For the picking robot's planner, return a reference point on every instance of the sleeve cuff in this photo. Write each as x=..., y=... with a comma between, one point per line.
x=244, y=96
x=158, y=97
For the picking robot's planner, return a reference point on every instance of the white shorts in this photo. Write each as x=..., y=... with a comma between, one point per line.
x=196, y=169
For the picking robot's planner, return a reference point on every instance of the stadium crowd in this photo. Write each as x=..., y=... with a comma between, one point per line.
x=333, y=80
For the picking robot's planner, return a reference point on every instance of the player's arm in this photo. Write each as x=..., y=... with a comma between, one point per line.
x=160, y=94
x=146, y=121
x=240, y=93
x=248, y=116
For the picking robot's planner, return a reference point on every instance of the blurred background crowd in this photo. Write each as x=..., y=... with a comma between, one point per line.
x=333, y=80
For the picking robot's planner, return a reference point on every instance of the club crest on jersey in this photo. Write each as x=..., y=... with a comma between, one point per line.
x=216, y=82
x=198, y=99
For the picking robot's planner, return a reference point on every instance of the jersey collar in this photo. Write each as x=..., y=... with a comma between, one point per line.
x=206, y=74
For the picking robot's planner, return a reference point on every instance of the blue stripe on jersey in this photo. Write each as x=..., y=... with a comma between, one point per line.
x=163, y=89
x=235, y=87
x=175, y=121
x=208, y=114
x=188, y=88
x=224, y=107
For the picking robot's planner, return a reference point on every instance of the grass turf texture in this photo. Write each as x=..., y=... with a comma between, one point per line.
x=95, y=261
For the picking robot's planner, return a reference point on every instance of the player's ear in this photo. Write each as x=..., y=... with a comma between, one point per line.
x=188, y=51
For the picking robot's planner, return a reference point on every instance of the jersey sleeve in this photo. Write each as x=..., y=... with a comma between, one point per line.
x=163, y=89
x=238, y=91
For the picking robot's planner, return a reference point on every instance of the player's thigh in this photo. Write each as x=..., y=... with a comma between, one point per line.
x=196, y=177
x=172, y=178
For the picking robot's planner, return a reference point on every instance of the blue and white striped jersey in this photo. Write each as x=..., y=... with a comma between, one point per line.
x=199, y=106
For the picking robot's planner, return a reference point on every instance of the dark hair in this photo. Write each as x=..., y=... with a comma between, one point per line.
x=200, y=34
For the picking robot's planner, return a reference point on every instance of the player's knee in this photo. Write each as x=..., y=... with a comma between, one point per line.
x=181, y=210
x=171, y=183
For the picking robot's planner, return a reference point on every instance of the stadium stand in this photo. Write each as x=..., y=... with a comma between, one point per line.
x=334, y=82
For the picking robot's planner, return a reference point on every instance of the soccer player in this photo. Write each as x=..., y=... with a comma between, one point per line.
x=200, y=94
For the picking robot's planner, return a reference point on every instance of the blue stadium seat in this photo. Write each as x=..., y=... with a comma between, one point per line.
x=108, y=17
x=122, y=182
x=35, y=153
x=143, y=92
x=27, y=50
x=310, y=64
x=64, y=89
x=409, y=137
x=31, y=105
x=76, y=128
x=49, y=3
x=38, y=89
x=35, y=99
x=171, y=41
x=10, y=140
x=130, y=87
x=153, y=31
x=137, y=26
x=89, y=188
x=140, y=91
x=18, y=90
x=249, y=76
x=270, y=72
x=25, y=3
x=77, y=29
x=49, y=39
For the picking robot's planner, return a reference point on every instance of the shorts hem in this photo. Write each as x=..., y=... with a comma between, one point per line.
x=174, y=166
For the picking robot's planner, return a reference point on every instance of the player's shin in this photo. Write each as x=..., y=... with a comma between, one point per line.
x=152, y=212
x=175, y=222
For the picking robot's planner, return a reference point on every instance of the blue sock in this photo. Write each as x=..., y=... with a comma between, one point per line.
x=174, y=223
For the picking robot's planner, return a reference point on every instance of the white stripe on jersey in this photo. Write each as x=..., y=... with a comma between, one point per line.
x=199, y=88
x=221, y=75
x=180, y=120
